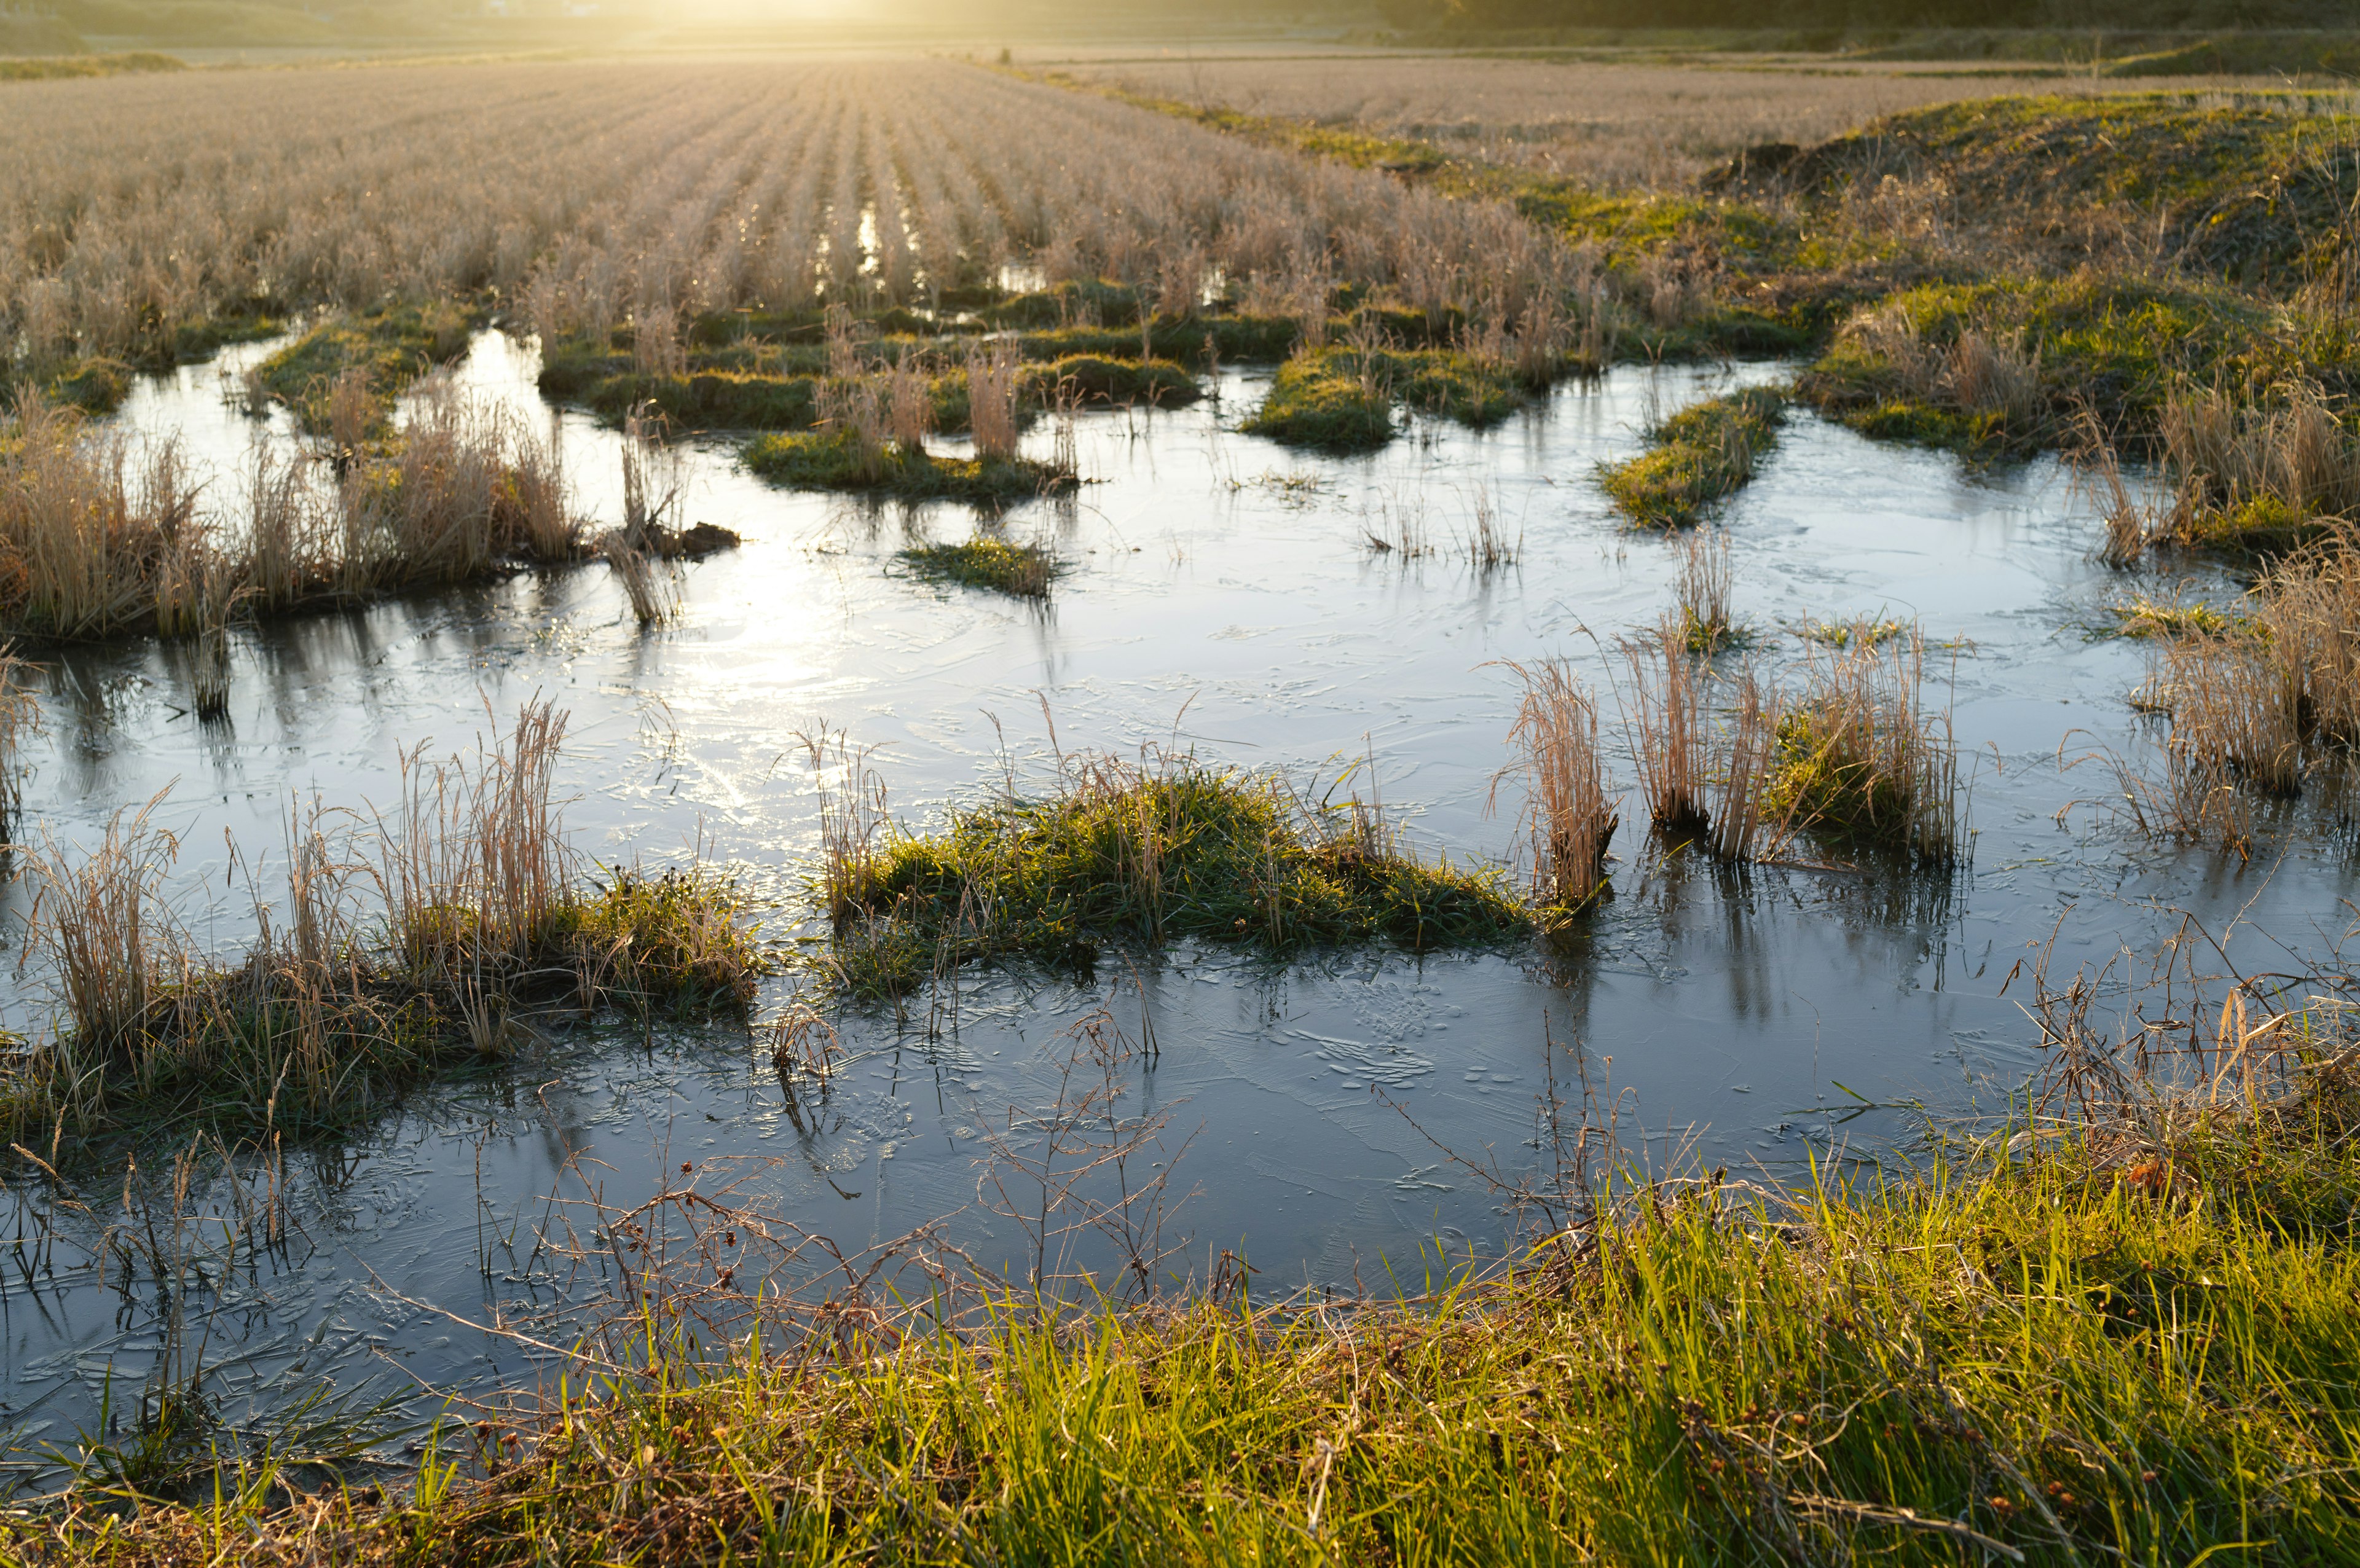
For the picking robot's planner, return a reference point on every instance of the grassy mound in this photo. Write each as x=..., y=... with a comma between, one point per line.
x=832, y=459
x=1025, y=569
x=1126, y=854
x=1698, y=456
x=2096, y=1354
x=388, y=350
x=2007, y=365
x=1315, y=400
x=1093, y=378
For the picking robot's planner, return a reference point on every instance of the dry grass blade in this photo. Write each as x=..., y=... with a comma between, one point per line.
x=1568, y=817
x=1745, y=752
x=112, y=947
x=475, y=868
x=1703, y=589
x=1665, y=724
x=20, y=716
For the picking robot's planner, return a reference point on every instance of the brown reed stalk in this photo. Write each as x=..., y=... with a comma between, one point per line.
x=1664, y=723
x=2234, y=713
x=1706, y=578
x=1860, y=755
x=853, y=819
x=1744, y=825
x=113, y=946
x=991, y=392
x=909, y=403
x=1569, y=819
x=2310, y=618
x=20, y=715
x=475, y=868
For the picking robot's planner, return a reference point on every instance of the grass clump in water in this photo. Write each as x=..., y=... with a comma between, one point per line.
x=2145, y=617
x=1165, y=849
x=1858, y=759
x=1328, y=402
x=1863, y=631
x=480, y=920
x=1025, y=569
x=1699, y=456
x=374, y=356
x=843, y=460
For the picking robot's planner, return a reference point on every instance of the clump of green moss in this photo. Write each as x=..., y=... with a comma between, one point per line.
x=1696, y=458
x=1327, y=400
x=2256, y=525
x=839, y=460
x=1132, y=854
x=1024, y=570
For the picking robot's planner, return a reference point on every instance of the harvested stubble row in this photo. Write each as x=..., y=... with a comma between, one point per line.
x=650, y=197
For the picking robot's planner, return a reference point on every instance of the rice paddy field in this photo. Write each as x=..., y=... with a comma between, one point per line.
x=981, y=721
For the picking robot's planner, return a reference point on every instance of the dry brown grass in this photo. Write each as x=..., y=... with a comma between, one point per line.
x=1746, y=824
x=400, y=943
x=1702, y=589
x=991, y=394
x=101, y=536
x=598, y=196
x=1568, y=817
x=1665, y=722
x=2253, y=706
x=2247, y=467
x=1861, y=756
x=1609, y=124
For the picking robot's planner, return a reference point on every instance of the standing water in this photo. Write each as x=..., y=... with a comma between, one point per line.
x=1221, y=597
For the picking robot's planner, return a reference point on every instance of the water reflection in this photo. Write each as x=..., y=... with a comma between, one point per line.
x=1221, y=596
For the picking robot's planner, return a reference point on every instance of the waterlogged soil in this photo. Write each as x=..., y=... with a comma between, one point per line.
x=1221, y=596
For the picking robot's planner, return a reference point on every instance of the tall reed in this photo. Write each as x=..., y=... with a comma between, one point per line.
x=1568, y=817
x=1664, y=723
x=1745, y=823
x=1706, y=578
x=991, y=394
x=473, y=867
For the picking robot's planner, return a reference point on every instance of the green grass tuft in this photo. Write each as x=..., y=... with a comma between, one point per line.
x=834, y=460
x=1125, y=854
x=1025, y=569
x=2066, y=1358
x=1319, y=400
x=1699, y=456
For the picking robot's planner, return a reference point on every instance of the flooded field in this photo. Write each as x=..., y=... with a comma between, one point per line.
x=1221, y=596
